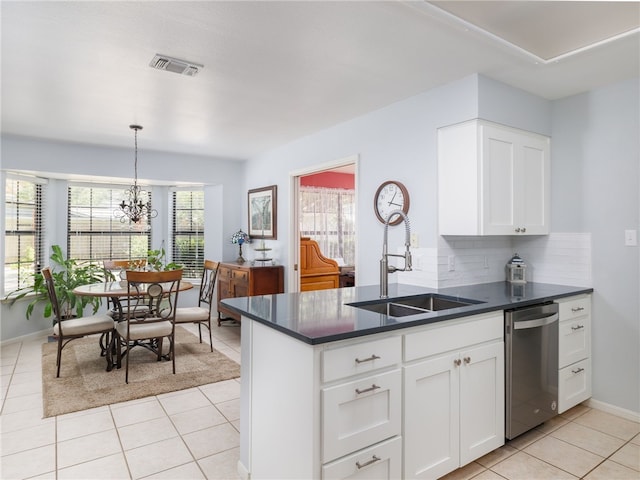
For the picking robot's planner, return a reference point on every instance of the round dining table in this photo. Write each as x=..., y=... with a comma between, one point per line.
x=117, y=289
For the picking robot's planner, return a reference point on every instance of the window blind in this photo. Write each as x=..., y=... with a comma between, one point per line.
x=187, y=231
x=94, y=233
x=24, y=231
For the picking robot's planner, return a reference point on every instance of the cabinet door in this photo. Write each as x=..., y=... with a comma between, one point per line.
x=499, y=170
x=481, y=401
x=224, y=284
x=574, y=385
x=532, y=185
x=266, y=280
x=432, y=421
x=225, y=290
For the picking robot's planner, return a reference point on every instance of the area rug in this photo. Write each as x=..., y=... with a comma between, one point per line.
x=84, y=382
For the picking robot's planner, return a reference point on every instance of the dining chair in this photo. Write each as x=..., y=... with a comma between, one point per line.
x=114, y=267
x=152, y=298
x=67, y=329
x=114, y=272
x=202, y=313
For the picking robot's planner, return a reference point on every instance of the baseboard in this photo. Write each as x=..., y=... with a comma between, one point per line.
x=614, y=410
x=243, y=472
x=29, y=336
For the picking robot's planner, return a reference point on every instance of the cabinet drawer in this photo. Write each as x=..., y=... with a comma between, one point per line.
x=381, y=461
x=360, y=358
x=446, y=337
x=574, y=340
x=224, y=272
x=360, y=413
x=574, y=307
x=240, y=276
x=574, y=385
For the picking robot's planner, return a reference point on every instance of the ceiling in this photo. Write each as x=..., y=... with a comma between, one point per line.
x=276, y=71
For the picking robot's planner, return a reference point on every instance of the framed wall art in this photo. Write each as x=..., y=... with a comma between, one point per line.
x=263, y=219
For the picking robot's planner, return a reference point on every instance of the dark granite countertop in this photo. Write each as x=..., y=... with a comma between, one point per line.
x=323, y=316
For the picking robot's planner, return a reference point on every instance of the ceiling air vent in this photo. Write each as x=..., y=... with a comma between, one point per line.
x=164, y=62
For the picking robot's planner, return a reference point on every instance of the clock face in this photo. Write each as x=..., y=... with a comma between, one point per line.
x=391, y=196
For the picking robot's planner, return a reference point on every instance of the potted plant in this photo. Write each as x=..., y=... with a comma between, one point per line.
x=156, y=261
x=67, y=275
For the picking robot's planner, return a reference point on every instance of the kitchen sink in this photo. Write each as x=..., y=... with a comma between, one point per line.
x=405, y=306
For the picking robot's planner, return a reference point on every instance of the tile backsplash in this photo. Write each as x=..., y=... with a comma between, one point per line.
x=562, y=258
x=559, y=258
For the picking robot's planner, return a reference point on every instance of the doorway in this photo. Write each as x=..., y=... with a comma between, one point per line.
x=324, y=210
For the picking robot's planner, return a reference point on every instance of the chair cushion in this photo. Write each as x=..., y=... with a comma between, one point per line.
x=84, y=325
x=140, y=331
x=191, y=314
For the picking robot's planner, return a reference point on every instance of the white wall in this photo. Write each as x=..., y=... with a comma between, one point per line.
x=596, y=189
x=222, y=180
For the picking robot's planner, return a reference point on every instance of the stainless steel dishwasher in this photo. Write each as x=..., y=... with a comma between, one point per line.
x=531, y=367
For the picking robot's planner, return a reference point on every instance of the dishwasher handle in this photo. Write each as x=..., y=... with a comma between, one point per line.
x=537, y=322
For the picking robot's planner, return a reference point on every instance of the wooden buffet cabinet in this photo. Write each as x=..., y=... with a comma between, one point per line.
x=236, y=280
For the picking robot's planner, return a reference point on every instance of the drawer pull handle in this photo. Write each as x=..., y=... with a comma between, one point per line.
x=374, y=459
x=370, y=389
x=457, y=362
x=467, y=360
x=371, y=358
x=577, y=327
x=577, y=370
x=577, y=309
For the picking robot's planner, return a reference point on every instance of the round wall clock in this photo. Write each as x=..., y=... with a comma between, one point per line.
x=390, y=196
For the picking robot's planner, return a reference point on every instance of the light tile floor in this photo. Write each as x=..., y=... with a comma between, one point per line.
x=189, y=434
x=581, y=443
x=194, y=434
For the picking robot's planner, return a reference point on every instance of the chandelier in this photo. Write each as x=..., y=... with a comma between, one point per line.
x=137, y=203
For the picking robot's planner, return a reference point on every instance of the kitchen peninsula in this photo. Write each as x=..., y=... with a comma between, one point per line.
x=330, y=390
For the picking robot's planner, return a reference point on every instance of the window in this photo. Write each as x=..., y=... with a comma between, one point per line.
x=95, y=233
x=24, y=231
x=327, y=215
x=187, y=231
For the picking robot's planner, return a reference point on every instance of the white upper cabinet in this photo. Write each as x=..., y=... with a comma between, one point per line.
x=492, y=180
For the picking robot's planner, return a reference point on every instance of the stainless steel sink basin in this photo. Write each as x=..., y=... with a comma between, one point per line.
x=405, y=306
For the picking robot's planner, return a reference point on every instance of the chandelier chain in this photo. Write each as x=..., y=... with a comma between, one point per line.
x=135, y=161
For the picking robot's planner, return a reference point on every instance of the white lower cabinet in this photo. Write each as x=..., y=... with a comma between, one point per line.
x=414, y=402
x=454, y=402
x=574, y=351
